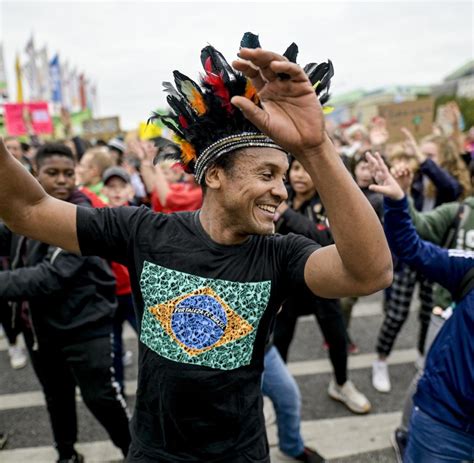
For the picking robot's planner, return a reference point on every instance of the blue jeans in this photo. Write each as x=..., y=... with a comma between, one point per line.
x=431, y=441
x=125, y=311
x=282, y=390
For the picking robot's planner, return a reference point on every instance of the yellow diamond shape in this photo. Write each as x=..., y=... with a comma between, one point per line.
x=236, y=327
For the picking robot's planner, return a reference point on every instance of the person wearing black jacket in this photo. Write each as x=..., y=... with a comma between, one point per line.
x=304, y=214
x=69, y=301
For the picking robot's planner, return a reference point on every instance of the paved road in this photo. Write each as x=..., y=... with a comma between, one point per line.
x=327, y=425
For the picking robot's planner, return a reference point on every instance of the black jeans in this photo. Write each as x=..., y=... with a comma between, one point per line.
x=87, y=364
x=328, y=314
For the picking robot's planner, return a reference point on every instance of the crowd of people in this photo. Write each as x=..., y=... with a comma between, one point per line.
x=162, y=267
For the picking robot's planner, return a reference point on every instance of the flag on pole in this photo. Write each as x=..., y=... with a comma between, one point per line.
x=92, y=97
x=82, y=91
x=75, y=96
x=43, y=75
x=66, y=85
x=31, y=71
x=19, y=83
x=3, y=77
x=55, y=79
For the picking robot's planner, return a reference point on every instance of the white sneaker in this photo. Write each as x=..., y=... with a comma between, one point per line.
x=17, y=357
x=380, y=376
x=348, y=394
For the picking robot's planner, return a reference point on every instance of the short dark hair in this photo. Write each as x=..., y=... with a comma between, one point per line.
x=52, y=149
x=225, y=162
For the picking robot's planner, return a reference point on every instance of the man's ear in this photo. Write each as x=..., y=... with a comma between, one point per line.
x=213, y=178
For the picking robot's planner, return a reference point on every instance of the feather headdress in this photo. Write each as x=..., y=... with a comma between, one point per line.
x=203, y=118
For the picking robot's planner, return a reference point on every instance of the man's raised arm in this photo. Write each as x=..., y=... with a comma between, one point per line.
x=27, y=210
x=360, y=262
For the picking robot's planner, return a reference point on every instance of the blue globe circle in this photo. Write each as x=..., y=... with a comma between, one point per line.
x=199, y=321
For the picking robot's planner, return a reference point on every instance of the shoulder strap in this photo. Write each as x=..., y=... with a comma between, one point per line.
x=452, y=232
x=466, y=285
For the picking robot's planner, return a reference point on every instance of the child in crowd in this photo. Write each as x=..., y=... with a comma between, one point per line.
x=90, y=169
x=119, y=192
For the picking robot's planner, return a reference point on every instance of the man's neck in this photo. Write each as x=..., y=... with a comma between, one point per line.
x=218, y=228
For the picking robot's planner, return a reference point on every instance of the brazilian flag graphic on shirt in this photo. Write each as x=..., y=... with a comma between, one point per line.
x=190, y=319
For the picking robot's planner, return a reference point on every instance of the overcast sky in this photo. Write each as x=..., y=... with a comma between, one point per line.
x=129, y=48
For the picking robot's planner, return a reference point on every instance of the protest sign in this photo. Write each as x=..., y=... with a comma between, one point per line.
x=105, y=127
x=416, y=116
x=18, y=116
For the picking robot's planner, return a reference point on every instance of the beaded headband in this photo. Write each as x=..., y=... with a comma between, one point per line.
x=226, y=145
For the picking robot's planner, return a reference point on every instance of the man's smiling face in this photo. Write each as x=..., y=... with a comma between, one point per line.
x=254, y=188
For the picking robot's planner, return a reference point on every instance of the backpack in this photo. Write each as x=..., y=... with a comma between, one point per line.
x=459, y=220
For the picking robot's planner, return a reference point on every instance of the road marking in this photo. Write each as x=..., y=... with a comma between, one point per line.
x=343, y=437
x=333, y=438
x=309, y=367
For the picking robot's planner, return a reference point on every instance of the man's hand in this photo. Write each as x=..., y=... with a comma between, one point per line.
x=291, y=114
x=386, y=184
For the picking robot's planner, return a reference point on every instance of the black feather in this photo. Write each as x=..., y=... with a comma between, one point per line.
x=291, y=53
x=168, y=87
x=219, y=65
x=250, y=40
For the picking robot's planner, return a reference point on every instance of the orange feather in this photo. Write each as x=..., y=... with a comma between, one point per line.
x=188, y=153
x=251, y=92
x=197, y=102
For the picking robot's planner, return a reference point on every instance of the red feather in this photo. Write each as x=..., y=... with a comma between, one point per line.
x=183, y=121
x=218, y=84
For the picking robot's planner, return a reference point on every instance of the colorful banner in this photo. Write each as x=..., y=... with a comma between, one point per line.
x=55, y=78
x=19, y=115
x=3, y=76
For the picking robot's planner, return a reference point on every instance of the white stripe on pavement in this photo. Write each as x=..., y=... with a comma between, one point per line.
x=333, y=438
x=343, y=437
x=309, y=367
x=97, y=452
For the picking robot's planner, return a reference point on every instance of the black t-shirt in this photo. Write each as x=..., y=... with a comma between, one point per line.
x=204, y=311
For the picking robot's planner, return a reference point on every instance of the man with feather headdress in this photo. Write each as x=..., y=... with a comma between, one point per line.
x=208, y=284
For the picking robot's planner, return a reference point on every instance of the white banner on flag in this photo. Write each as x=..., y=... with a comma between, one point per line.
x=30, y=71
x=44, y=83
